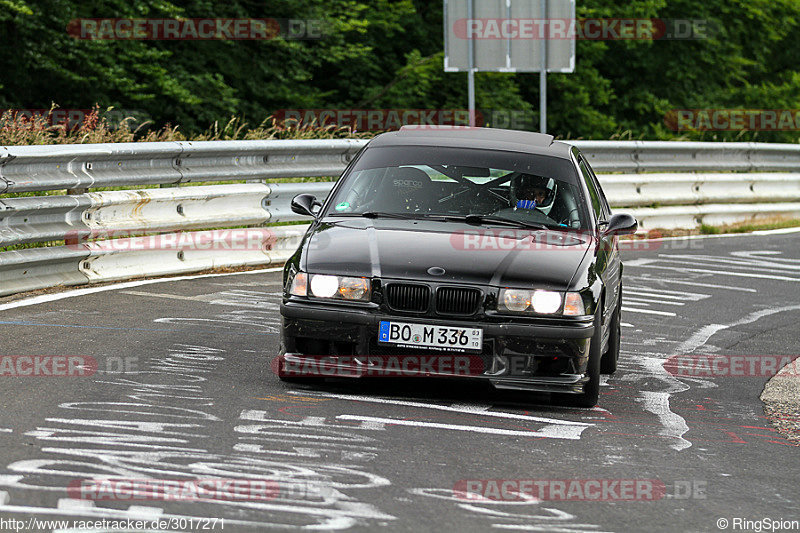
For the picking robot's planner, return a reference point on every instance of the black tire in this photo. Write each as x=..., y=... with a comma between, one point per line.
x=608, y=364
x=591, y=389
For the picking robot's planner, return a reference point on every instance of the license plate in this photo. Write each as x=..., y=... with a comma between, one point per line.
x=429, y=336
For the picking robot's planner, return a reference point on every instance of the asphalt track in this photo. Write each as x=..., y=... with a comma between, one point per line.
x=183, y=390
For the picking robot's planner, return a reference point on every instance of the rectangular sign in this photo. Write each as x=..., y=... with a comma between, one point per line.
x=508, y=35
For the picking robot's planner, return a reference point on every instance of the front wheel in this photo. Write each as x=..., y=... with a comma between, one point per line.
x=591, y=389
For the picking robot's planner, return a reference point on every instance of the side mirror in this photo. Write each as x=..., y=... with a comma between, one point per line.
x=621, y=224
x=306, y=204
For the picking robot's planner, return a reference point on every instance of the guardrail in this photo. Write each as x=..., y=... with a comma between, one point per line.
x=669, y=156
x=711, y=183
x=82, y=166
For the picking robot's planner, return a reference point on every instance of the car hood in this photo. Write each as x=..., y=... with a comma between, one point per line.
x=420, y=250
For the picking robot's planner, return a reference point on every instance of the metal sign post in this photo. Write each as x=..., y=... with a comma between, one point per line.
x=543, y=72
x=471, y=72
x=493, y=36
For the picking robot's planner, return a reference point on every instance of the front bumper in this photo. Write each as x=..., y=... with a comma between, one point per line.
x=519, y=353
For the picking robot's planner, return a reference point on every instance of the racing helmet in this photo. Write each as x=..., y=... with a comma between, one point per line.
x=529, y=192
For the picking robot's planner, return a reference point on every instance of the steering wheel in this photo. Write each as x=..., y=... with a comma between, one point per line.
x=568, y=220
x=505, y=212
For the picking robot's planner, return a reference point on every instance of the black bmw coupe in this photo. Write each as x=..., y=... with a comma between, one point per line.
x=492, y=248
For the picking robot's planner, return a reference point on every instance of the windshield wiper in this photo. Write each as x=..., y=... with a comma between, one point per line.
x=378, y=214
x=382, y=214
x=469, y=219
x=493, y=219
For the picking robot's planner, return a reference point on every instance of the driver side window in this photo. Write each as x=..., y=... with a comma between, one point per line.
x=594, y=195
x=603, y=200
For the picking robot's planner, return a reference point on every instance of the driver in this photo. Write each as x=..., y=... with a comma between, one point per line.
x=532, y=192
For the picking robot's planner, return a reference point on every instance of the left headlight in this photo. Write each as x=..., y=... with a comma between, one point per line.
x=538, y=301
x=327, y=286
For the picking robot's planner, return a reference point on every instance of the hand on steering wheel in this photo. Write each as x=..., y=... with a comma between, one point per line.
x=568, y=220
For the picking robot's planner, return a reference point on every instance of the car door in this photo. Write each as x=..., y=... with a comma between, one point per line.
x=614, y=269
x=607, y=250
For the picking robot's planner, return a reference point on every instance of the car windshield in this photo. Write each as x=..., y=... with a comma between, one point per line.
x=484, y=186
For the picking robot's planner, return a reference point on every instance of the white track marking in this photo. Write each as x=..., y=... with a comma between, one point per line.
x=550, y=528
x=781, y=231
x=700, y=337
x=453, y=408
x=644, y=303
x=667, y=295
x=646, y=311
x=722, y=262
x=647, y=263
x=648, y=301
x=681, y=282
x=562, y=432
x=472, y=408
x=257, y=300
x=746, y=259
x=162, y=295
x=44, y=298
x=776, y=231
x=757, y=254
x=674, y=425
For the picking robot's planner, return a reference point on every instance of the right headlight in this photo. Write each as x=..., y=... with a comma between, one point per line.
x=328, y=286
x=540, y=302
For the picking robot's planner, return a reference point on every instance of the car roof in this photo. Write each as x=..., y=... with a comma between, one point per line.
x=478, y=138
